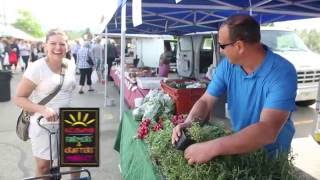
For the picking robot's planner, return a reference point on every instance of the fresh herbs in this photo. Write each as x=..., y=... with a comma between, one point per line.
x=172, y=164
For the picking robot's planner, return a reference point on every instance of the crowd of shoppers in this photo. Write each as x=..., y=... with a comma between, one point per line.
x=19, y=52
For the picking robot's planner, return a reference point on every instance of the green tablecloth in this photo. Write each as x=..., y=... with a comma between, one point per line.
x=134, y=159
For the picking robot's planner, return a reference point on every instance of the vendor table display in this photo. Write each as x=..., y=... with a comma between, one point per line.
x=153, y=157
x=134, y=160
x=185, y=93
x=131, y=90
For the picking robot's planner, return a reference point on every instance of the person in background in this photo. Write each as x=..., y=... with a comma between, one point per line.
x=74, y=50
x=84, y=67
x=97, y=57
x=38, y=81
x=68, y=53
x=261, y=89
x=118, y=49
x=87, y=36
x=112, y=54
x=102, y=64
x=34, y=52
x=25, y=51
x=40, y=50
x=1, y=52
x=164, y=62
x=14, y=54
x=6, y=63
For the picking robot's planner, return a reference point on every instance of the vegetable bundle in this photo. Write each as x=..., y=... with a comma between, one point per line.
x=154, y=105
x=173, y=165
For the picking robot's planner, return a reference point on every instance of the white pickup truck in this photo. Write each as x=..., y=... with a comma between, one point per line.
x=196, y=52
x=307, y=63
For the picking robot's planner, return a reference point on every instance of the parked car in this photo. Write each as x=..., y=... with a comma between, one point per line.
x=307, y=63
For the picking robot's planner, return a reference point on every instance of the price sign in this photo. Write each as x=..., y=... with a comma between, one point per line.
x=79, y=137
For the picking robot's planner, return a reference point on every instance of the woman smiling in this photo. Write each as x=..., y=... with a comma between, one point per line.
x=40, y=79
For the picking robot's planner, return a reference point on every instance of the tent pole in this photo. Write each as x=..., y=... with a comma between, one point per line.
x=105, y=66
x=122, y=59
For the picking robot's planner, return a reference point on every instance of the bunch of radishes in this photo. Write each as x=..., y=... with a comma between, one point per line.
x=143, y=128
x=158, y=126
x=177, y=119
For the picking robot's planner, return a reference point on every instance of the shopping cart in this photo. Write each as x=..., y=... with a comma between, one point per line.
x=54, y=172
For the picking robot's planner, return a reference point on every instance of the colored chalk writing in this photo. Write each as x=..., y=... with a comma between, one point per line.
x=75, y=139
x=79, y=158
x=79, y=136
x=77, y=150
x=79, y=130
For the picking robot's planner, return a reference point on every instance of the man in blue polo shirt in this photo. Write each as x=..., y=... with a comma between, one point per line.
x=261, y=89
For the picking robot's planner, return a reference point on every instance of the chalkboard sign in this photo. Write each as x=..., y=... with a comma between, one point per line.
x=79, y=137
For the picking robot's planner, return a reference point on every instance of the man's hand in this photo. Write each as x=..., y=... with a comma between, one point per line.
x=176, y=132
x=199, y=153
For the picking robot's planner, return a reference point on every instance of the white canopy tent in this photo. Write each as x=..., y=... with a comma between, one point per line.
x=10, y=31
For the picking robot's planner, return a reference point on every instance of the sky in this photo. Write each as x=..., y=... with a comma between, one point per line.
x=80, y=14
x=312, y=23
x=64, y=14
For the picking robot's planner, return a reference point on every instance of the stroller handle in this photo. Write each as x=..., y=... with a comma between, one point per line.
x=41, y=118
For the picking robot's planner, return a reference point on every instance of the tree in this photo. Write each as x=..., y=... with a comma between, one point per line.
x=27, y=23
x=75, y=34
x=311, y=39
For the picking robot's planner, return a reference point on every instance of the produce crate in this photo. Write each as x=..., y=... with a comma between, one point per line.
x=183, y=98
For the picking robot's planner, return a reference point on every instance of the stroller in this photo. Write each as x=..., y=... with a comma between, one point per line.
x=55, y=173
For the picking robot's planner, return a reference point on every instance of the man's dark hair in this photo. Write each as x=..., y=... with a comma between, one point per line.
x=243, y=27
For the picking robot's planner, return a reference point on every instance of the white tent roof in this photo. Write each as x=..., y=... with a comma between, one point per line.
x=7, y=30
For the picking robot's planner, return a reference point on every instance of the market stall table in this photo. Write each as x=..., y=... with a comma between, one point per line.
x=134, y=159
x=131, y=90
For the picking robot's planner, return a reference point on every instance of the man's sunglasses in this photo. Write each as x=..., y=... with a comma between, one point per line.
x=222, y=46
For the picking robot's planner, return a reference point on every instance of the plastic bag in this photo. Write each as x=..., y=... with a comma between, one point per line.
x=138, y=113
x=6, y=59
x=210, y=72
x=94, y=77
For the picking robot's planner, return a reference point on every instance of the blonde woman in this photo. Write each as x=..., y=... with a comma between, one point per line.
x=39, y=80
